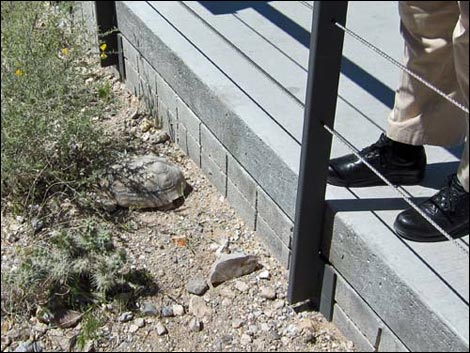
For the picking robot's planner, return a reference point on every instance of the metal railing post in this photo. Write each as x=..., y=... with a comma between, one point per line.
x=107, y=31
x=326, y=45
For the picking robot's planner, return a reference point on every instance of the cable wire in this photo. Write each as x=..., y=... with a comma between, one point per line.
x=401, y=66
x=355, y=151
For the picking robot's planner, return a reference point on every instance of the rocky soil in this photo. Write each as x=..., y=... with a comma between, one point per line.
x=178, y=248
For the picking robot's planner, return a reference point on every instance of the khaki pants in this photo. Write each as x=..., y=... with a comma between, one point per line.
x=436, y=48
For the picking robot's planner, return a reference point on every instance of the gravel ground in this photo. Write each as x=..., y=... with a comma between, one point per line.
x=178, y=248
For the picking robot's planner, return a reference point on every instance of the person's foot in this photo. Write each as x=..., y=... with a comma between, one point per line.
x=448, y=208
x=400, y=163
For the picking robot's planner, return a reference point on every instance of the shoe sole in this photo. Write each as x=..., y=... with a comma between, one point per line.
x=457, y=233
x=410, y=180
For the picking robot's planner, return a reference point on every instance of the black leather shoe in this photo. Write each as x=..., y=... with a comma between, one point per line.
x=448, y=208
x=401, y=164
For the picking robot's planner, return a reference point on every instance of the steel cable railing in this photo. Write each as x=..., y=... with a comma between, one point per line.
x=356, y=152
x=401, y=66
x=307, y=273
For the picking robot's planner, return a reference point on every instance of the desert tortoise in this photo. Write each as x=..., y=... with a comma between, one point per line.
x=145, y=182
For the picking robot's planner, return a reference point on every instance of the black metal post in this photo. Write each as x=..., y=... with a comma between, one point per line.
x=326, y=45
x=107, y=31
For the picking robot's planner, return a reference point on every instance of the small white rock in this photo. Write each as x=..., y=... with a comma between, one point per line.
x=213, y=247
x=178, y=310
x=161, y=329
x=133, y=328
x=223, y=248
x=252, y=330
x=237, y=323
x=245, y=339
x=268, y=293
x=198, y=307
x=241, y=286
x=264, y=275
x=140, y=322
x=195, y=325
x=291, y=330
x=265, y=327
x=226, y=303
x=278, y=304
x=127, y=316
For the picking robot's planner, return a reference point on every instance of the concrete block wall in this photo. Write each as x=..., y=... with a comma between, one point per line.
x=355, y=318
x=400, y=320
x=254, y=206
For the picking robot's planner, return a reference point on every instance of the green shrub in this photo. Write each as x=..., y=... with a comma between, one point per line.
x=48, y=141
x=51, y=155
x=89, y=331
x=52, y=151
x=71, y=268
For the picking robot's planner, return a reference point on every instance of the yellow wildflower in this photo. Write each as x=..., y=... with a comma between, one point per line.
x=103, y=47
x=64, y=51
x=103, y=56
x=19, y=72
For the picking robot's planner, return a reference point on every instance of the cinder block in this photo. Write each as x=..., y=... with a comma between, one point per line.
x=244, y=208
x=194, y=148
x=328, y=289
x=189, y=120
x=213, y=148
x=357, y=310
x=275, y=217
x=242, y=180
x=131, y=54
x=348, y=329
x=277, y=248
x=132, y=79
x=214, y=173
x=166, y=94
x=148, y=96
x=188, y=145
x=181, y=139
x=389, y=342
x=365, y=319
x=168, y=120
x=150, y=100
x=395, y=301
x=148, y=73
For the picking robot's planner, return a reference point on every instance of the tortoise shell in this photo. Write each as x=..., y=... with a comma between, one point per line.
x=145, y=182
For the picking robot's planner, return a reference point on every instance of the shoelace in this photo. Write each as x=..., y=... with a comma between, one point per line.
x=381, y=143
x=377, y=148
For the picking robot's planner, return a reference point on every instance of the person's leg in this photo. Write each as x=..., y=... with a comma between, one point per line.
x=461, y=54
x=420, y=116
x=449, y=208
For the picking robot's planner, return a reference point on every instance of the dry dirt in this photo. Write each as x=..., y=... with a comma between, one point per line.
x=245, y=314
